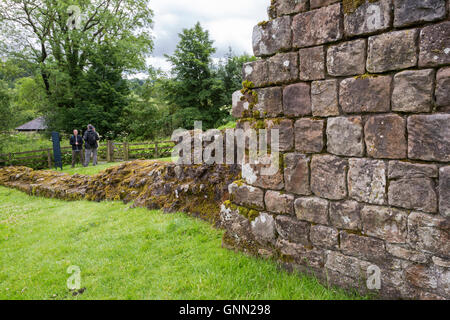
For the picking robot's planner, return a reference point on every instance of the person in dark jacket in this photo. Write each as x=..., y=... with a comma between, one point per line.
x=76, y=142
x=91, y=138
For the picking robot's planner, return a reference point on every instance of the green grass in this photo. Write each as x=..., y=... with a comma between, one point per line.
x=91, y=170
x=129, y=254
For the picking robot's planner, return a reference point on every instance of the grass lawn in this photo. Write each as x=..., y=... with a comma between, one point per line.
x=91, y=170
x=129, y=254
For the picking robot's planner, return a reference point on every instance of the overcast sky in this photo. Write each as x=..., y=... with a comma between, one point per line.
x=230, y=23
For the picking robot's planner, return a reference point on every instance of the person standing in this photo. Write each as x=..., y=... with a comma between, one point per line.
x=91, y=145
x=76, y=142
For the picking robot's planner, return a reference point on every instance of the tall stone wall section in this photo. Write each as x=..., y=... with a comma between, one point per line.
x=360, y=91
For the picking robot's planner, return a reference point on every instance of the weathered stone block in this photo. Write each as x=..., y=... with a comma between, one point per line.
x=247, y=196
x=429, y=233
x=429, y=137
x=239, y=104
x=345, y=136
x=371, y=94
x=443, y=89
x=347, y=59
x=444, y=191
x=324, y=237
x=312, y=63
x=346, y=215
x=435, y=45
x=271, y=37
x=367, y=181
x=297, y=100
x=256, y=72
x=362, y=247
x=328, y=177
x=413, y=91
x=279, y=203
x=263, y=228
x=392, y=51
x=408, y=170
x=324, y=98
x=346, y=265
x=431, y=278
x=283, y=68
x=317, y=26
x=368, y=18
x=255, y=175
x=309, y=135
x=386, y=223
x=314, y=4
x=300, y=254
x=296, y=173
x=408, y=12
x=404, y=252
x=292, y=229
x=283, y=7
x=385, y=136
x=413, y=193
x=286, y=133
x=269, y=102
x=312, y=209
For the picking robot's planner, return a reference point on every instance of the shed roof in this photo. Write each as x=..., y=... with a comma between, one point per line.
x=34, y=125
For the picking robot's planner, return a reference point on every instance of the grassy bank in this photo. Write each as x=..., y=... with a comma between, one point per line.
x=129, y=254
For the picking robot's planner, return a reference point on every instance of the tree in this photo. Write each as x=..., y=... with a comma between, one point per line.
x=38, y=32
x=194, y=90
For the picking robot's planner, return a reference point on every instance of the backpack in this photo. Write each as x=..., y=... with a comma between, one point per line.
x=92, y=139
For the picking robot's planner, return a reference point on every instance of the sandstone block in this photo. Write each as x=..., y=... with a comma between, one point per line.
x=263, y=228
x=296, y=174
x=429, y=233
x=429, y=137
x=283, y=68
x=314, y=4
x=269, y=102
x=286, y=133
x=347, y=59
x=345, y=136
x=317, y=26
x=297, y=100
x=362, y=247
x=444, y=191
x=443, y=89
x=385, y=136
x=346, y=215
x=324, y=98
x=239, y=104
x=312, y=63
x=283, y=7
x=309, y=135
x=413, y=193
x=312, y=209
x=247, y=196
x=368, y=18
x=324, y=237
x=435, y=45
x=271, y=37
x=408, y=12
x=407, y=170
x=386, y=223
x=413, y=91
x=370, y=94
x=392, y=51
x=404, y=252
x=328, y=177
x=256, y=72
x=367, y=181
x=292, y=229
x=279, y=203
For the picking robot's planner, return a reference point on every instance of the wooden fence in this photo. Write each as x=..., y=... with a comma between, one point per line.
x=109, y=151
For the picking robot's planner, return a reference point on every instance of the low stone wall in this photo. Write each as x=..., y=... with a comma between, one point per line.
x=198, y=189
x=360, y=91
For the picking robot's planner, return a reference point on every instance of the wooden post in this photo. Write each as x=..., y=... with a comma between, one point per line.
x=108, y=151
x=125, y=151
x=156, y=150
x=9, y=159
x=112, y=150
x=49, y=158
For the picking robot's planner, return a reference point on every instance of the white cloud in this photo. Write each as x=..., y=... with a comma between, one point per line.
x=229, y=22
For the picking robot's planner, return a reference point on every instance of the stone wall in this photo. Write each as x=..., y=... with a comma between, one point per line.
x=360, y=91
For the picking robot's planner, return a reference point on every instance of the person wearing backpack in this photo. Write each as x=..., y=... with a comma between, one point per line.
x=91, y=145
x=76, y=142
